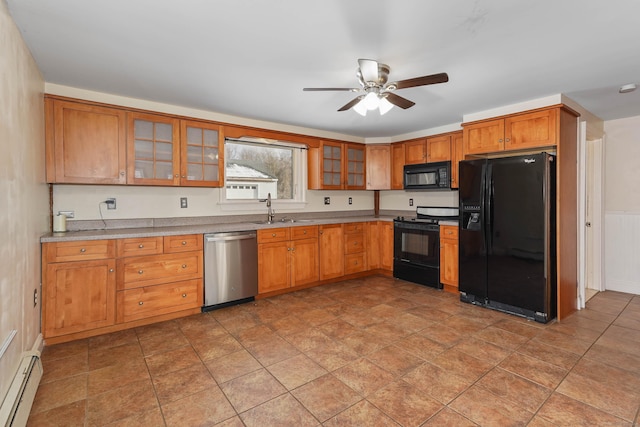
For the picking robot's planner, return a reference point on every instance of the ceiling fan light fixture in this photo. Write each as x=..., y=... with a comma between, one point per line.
x=627, y=88
x=384, y=106
x=371, y=101
x=360, y=108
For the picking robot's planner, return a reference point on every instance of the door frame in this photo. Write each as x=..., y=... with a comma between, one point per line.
x=591, y=211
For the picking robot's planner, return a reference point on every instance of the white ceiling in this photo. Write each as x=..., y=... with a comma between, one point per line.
x=252, y=58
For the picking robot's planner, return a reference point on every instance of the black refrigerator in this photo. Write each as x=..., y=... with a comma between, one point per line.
x=507, y=258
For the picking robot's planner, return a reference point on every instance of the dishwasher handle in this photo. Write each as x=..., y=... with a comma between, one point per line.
x=226, y=237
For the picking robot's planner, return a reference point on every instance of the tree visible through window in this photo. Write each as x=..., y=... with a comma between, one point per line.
x=252, y=170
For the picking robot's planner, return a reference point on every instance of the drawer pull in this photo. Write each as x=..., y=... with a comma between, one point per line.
x=141, y=246
x=111, y=270
x=184, y=243
x=184, y=295
x=83, y=250
x=184, y=265
x=140, y=271
x=304, y=232
x=140, y=303
x=273, y=234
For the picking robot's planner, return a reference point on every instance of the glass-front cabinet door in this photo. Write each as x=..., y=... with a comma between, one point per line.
x=355, y=166
x=153, y=144
x=201, y=155
x=332, y=162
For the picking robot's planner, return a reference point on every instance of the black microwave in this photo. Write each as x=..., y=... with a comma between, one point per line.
x=428, y=176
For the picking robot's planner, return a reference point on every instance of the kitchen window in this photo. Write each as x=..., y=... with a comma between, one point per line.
x=256, y=168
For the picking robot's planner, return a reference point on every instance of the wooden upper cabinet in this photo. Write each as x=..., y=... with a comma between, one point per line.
x=355, y=155
x=378, y=167
x=325, y=166
x=84, y=143
x=153, y=149
x=201, y=155
x=534, y=129
x=415, y=151
x=483, y=137
x=537, y=129
x=397, y=166
x=456, y=157
x=439, y=148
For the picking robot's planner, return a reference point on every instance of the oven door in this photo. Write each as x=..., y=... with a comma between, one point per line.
x=417, y=244
x=417, y=253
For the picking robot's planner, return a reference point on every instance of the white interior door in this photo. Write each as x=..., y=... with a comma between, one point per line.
x=594, y=241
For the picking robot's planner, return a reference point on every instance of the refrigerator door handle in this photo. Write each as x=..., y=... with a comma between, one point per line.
x=483, y=222
x=489, y=207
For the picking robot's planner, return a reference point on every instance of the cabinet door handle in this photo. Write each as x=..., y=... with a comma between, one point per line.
x=184, y=295
x=304, y=232
x=111, y=270
x=83, y=250
x=500, y=140
x=140, y=271
x=321, y=232
x=184, y=243
x=184, y=265
x=121, y=173
x=140, y=303
x=177, y=176
x=141, y=246
x=273, y=234
x=507, y=139
x=184, y=176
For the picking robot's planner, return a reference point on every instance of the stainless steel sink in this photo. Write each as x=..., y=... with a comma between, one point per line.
x=283, y=221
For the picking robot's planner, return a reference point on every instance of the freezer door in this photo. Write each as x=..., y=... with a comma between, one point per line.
x=517, y=225
x=472, y=246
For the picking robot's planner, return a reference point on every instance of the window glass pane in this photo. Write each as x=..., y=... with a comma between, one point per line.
x=268, y=168
x=326, y=152
x=143, y=129
x=164, y=170
x=194, y=154
x=336, y=179
x=211, y=138
x=144, y=169
x=194, y=172
x=164, y=151
x=210, y=172
x=336, y=152
x=336, y=165
x=143, y=149
x=164, y=132
x=194, y=136
x=211, y=155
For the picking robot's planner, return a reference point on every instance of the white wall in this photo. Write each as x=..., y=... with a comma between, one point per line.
x=622, y=204
x=24, y=205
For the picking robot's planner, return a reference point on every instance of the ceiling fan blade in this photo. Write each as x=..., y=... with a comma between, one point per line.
x=422, y=81
x=368, y=70
x=399, y=101
x=319, y=89
x=351, y=103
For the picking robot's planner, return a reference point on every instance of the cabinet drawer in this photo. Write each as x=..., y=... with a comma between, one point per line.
x=306, y=232
x=354, y=263
x=273, y=235
x=354, y=227
x=139, y=246
x=448, y=232
x=155, y=269
x=182, y=243
x=80, y=250
x=149, y=301
x=353, y=243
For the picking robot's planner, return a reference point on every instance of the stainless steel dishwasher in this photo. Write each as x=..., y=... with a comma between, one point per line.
x=230, y=268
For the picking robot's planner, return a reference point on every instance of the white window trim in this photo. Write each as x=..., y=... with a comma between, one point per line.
x=299, y=202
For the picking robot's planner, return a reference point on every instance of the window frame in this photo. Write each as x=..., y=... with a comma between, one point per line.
x=299, y=158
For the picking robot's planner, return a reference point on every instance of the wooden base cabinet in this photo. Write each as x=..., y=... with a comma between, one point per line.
x=449, y=258
x=287, y=257
x=331, y=243
x=100, y=286
x=355, y=248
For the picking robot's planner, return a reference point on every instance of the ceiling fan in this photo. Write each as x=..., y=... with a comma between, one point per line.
x=374, y=90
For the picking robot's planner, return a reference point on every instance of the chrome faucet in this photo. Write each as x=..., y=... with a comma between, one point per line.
x=270, y=212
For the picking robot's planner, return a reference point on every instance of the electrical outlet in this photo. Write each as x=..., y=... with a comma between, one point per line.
x=327, y=200
x=350, y=201
x=68, y=214
x=111, y=203
x=410, y=202
x=183, y=202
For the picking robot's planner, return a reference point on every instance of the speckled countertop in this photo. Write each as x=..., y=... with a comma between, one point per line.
x=214, y=227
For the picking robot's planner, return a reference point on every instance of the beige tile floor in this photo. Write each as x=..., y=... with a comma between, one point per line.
x=366, y=352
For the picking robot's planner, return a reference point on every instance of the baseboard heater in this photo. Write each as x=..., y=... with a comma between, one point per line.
x=17, y=403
